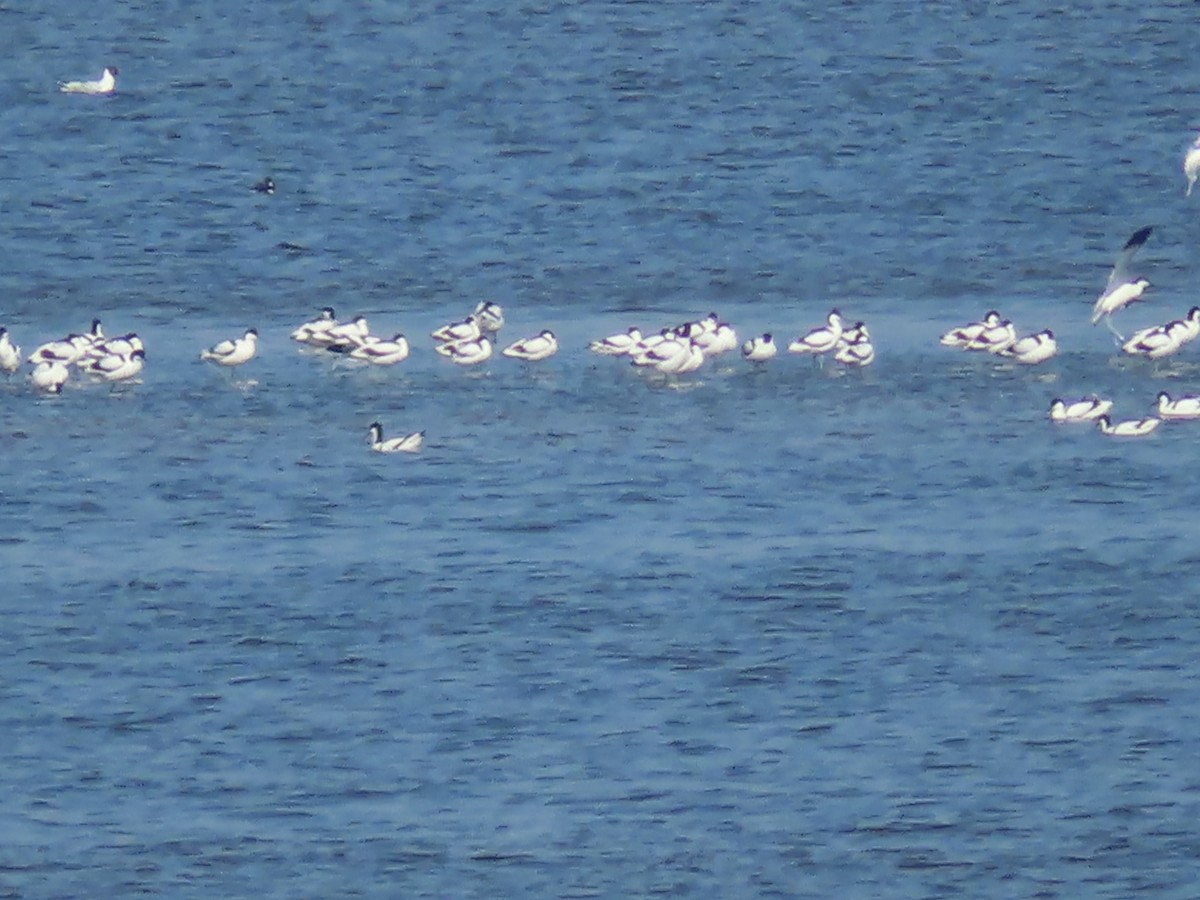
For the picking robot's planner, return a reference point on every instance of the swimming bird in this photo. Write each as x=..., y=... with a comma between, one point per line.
x=1085, y=410
x=116, y=367
x=533, y=349
x=322, y=323
x=963, y=335
x=381, y=352
x=821, y=339
x=466, y=330
x=994, y=338
x=490, y=316
x=616, y=344
x=105, y=84
x=1191, y=166
x=759, y=349
x=266, y=186
x=1179, y=408
x=233, y=352
x=466, y=352
x=410, y=443
x=1122, y=289
x=50, y=376
x=1033, y=349
x=10, y=353
x=1129, y=428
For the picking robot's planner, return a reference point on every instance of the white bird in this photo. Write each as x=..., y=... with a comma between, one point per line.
x=994, y=338
x=721, y=339
x=105, y=84
x=50, y=376
x=859, y=353
x=1122, y=289
x=118, y=346
x=1191, y=166
x=963, y=335
x=1085, y=410
x=116, y=367
x=70, y=349
x=490, y=316
x=466, y=330
x=821, y=339
x=855, y=334
x=759, y=349
x=664, y=347
x=1158, y=341
x=688, y=356
x=1129, y=428
x=1179, y=408
x=410, y=443
x=10, y=353
x=304, y=334
x=381, y=352
x=533, y=349
x=344, y=336
x=233, y=352
x=1033, y=349
x=616, y=344
x=468, y=352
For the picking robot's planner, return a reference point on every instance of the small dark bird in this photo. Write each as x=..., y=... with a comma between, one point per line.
x=266, y=186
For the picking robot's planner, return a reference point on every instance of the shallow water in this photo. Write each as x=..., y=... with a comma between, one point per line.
x=782, y=631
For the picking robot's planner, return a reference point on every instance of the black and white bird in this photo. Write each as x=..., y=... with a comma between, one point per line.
x=822, y=339
x=233, y=352
x=533, y=349
x=490, y=316
x=382, y=351
x=1128, y=428
x=466, y=352
x=266, y=186
x=1087, y=409
x=321, y=324
x=117, y=367
x=409, y=443
x=964, y=335
x=466, y=330
x=760, y=349
x=10, y=353
x=1187, y=407
x=1122, y=288
x=1032, y=349
x=616, y=344
x=50, y=376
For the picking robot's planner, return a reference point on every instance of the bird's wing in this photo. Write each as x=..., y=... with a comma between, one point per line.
x=1120, y=271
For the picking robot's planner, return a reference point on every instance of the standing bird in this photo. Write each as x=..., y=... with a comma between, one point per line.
x=50, y=376
x=1033, y=349
x=821, y=339
x=105, y=84
x=233, y=352
x=1122, y=289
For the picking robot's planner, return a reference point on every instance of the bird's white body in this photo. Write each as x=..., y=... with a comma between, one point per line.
x=964, y=335
x=857, y=353
x=117, y=367
x=1128, y=428
x=533, y=349
x=490, y=316
x=722, y=339
x=233, y=352
x=1087, y=409
x=409, y=443
x=105, y=84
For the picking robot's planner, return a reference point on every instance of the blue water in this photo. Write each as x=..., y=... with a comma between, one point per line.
x=788, y=631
